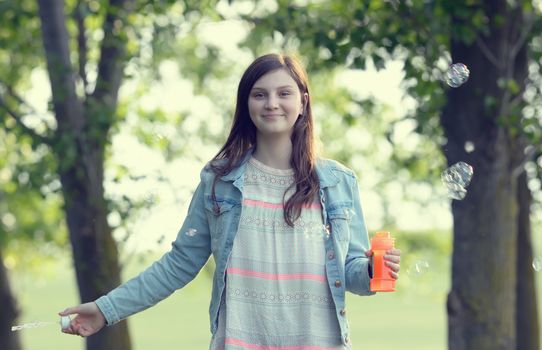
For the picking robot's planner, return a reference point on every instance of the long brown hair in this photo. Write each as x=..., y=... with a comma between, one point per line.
x=243, y=134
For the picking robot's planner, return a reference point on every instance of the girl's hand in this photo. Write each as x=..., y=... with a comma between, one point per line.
x=393, y=261
x=88, y=321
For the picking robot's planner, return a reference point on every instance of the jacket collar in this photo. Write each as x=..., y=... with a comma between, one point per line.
x=238, y=171
x=325, y=173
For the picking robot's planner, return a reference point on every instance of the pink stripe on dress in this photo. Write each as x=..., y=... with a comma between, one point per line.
x=256, y=203
x=237, y=342
x=277, y=276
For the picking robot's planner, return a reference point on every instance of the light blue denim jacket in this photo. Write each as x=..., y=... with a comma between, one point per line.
x=204, y=233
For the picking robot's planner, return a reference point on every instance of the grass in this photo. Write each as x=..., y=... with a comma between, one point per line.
x=413, y=317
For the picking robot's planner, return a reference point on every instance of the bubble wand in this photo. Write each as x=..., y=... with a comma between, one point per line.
x=64, y=323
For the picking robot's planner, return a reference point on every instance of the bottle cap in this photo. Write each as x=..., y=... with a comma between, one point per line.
x=383, y=234
x=382, y=240
x=65, y=322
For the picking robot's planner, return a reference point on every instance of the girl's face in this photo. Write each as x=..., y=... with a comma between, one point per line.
x=274, y=103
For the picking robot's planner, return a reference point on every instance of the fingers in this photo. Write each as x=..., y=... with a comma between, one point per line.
x=394, y=273
x=392, y=258
x=85, y=332
x=88, y=321
x=394, y=252
x=69, y=311
x=76, y=328
x=69, y=330
x=393, y=255
x=85, y=308
x=393, y=266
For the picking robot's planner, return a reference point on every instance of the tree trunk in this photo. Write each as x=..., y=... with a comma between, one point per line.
x=94, y=250
x=80, y=157
x=482, y=301
x=528, y=329
x=8, y=312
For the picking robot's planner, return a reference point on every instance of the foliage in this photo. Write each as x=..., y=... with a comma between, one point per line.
x=22, y=194
x=30, y=169
x=353, y=34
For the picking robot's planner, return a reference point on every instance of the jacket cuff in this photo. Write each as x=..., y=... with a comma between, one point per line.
x=107, y=309
x=359, y=277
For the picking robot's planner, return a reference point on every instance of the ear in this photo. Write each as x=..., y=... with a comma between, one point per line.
x=304, y=101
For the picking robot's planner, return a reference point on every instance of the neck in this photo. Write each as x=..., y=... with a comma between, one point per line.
x=274, y=153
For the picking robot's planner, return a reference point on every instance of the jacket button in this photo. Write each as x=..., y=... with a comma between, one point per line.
x=328, y=228
x=343, y=312
x=346, y=339
x=331, y=255
x=323, y=198
x=338, y=283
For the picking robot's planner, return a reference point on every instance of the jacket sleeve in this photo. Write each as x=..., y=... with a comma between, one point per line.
x=357, y=264
x=189, y=253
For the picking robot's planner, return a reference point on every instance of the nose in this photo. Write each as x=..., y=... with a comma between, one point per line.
x=272, y=102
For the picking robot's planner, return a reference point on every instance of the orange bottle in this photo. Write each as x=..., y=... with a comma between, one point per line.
x=382, y=280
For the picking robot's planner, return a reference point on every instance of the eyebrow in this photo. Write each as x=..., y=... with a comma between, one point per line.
x=278, y=88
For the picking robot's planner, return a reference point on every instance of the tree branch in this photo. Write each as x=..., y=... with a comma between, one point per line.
x=19, y=120
x=20, y=100
x=110, y=66
x=522, y=39
x=79, y=16
x=68, y=108
x=488, y=54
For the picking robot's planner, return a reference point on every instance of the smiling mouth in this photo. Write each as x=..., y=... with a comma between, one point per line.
x=272, y=115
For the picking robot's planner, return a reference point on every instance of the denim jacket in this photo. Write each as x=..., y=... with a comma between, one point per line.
x=205, y=232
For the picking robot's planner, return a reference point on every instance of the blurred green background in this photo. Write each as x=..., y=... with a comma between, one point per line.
x=413, y=317
x=382, y=105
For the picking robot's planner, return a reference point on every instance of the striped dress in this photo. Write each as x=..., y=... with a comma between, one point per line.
x=276, y=296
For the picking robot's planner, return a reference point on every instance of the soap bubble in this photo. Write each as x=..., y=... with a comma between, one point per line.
x=418, y=268
x=457, y=75
x=537, y=264
x=469, y=147
x=460, y=173
x=191, y=232
x=456, y=178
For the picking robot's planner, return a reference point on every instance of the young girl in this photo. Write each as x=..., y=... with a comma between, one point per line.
x=285, y=228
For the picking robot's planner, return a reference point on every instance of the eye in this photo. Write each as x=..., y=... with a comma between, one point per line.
x=257, y=95
x=285, y=93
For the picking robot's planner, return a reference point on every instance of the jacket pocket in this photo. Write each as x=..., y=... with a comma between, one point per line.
x=218, y=216
x=339, y=219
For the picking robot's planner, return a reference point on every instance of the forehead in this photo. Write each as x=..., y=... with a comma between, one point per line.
x=275, y=79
